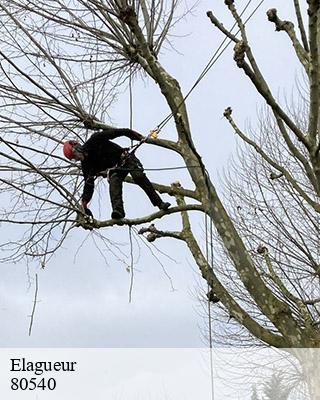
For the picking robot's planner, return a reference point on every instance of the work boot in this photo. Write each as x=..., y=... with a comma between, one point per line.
x=116, y=214
x=164, y=205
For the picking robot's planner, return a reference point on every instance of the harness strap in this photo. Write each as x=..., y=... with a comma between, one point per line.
x=123, y=158
x=128, y=151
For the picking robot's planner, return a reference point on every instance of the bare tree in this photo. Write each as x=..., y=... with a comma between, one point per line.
x=61, y=62
x=276, y=388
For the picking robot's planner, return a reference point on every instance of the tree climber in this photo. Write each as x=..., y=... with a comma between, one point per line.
x=98, y=154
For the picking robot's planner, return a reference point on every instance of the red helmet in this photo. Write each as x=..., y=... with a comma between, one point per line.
x=68, y=148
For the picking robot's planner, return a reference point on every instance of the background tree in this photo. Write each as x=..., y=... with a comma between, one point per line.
x=61, y=63
x=275, y=388
x=254, y=393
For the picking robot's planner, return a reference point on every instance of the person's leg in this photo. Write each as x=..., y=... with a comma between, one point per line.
x=140, y=178
x=116, y=178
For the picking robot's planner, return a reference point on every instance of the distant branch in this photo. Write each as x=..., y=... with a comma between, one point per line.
x=271, y=162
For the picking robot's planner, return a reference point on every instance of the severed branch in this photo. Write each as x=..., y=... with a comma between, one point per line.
x=172, y=190
x=288, y=27
x=312, y=302
x=167, y=144
x=154, y=233
x=221, y=27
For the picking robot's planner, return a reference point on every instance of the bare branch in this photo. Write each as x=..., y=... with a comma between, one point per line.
x=301, y=26
x=143, y=220
x=220, y=26
x=288, y=27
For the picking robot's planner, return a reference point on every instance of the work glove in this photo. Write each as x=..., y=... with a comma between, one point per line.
x=87, y=220
x=88, y=215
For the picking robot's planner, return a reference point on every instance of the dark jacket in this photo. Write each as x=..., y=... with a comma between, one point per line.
x=100, y=154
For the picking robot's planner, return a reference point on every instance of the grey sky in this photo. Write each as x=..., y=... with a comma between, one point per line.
x=83, y=302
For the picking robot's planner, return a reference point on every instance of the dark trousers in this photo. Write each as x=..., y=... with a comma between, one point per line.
x=116, y=177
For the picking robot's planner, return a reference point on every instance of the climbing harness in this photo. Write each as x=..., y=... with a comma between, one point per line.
x=129, y=151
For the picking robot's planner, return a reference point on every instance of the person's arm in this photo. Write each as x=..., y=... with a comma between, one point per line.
x=112, y=133
x=88, y=189
x=109, y=131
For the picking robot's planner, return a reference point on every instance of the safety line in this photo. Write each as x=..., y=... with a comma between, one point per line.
x=209, y=308
x=211, y=62
x=158, y=169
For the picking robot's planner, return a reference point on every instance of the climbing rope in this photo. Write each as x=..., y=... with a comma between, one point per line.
x=209, y=304
x=215, y=57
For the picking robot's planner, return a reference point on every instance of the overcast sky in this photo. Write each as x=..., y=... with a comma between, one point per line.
x=83, y=297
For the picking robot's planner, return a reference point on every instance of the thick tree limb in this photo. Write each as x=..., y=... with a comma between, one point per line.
x=276, y=311
x=142, y=220
x=228, y=301
x=314, y=70
x=167, y=144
